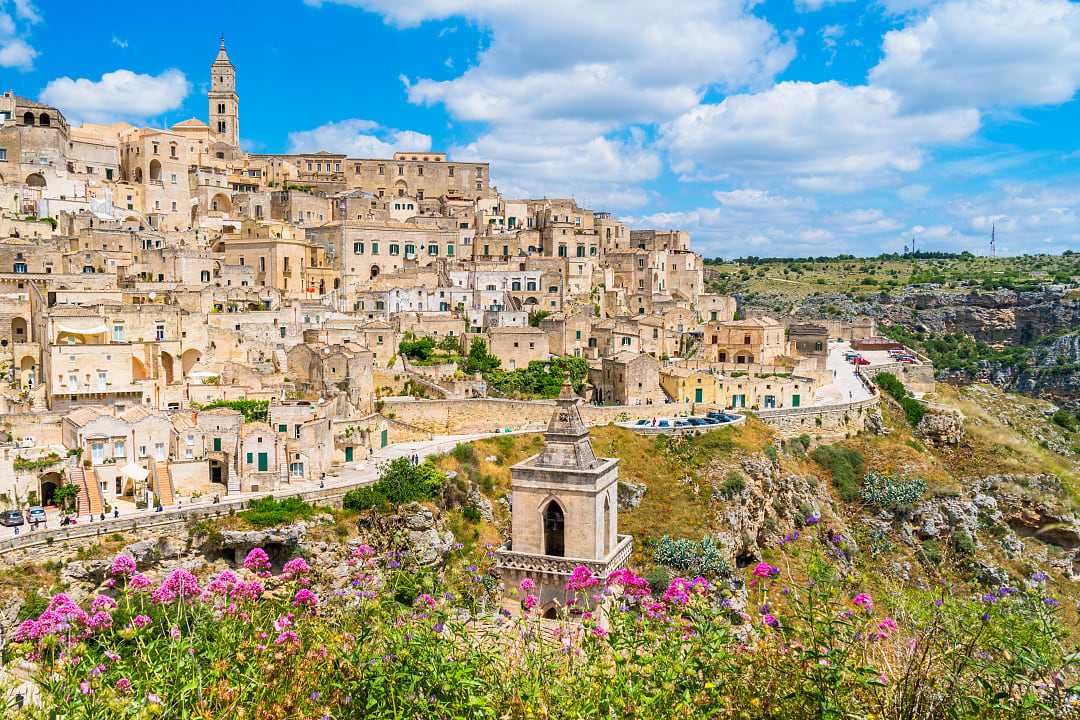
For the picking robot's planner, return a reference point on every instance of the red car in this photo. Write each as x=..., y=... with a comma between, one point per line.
x=860, y=361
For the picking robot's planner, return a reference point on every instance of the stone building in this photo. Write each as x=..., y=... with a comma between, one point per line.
x=627, y=378
x=565, y=504
x=754, y=340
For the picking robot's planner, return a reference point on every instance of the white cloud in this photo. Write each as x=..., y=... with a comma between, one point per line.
x=985, y=53
x=358, y=138
x=815, y=5
x=118, y=95
x=823, y=136
x=119, y=42
x=561, y=159
x=559, y=116
x=17, y=54
x=913, y=193
x=26, y=10
x=751, y=199
x=7, y=25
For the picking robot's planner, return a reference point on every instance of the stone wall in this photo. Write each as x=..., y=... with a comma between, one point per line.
x=916, y=378
x=827, y=421
x=482, y=415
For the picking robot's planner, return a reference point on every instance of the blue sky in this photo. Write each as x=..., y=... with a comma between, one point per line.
x=786, y=127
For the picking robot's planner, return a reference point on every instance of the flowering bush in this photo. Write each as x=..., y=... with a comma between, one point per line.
x=228, y=647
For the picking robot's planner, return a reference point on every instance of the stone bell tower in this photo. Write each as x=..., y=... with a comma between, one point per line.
x=565, y=510
x=223, y=101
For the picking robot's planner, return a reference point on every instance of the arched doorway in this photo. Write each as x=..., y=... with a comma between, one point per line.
x=155, y=170
x=552, y=613
x=374, y=271
x=18, y=329
x=27, y=369
x=48, y=484
x=554, y=525
x=167, y=367
x=188, y=360
x=35, y=180
x=138, y=369
x=221, y=203
x=138, y=174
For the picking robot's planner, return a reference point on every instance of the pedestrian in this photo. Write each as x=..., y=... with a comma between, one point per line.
x=16, y=531
x=115, y=513
x=102, y=517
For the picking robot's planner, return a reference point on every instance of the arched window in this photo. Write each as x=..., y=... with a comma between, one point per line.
x=554, y=522
x=44, y=120
x=28, y=118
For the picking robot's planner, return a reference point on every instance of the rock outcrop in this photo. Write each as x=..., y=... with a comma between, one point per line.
x=942, y=429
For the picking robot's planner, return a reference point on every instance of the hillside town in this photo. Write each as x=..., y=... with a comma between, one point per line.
x=183, y=321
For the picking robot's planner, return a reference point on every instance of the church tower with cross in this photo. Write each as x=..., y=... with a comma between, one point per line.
x=565, y=510
x=224, y=103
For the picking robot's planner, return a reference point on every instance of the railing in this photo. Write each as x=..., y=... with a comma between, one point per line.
x=534, y=563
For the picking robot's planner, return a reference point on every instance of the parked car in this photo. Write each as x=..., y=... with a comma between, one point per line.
x=861, y=361
x=35, y=515
x=906, y=360
x=11, y=518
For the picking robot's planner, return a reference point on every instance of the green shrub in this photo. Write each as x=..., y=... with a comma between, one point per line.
x=1066, y=419
x=846, y=466
x=465, y=454
x=770, y=452
x=252, y=410
x=913, y=409
x=269, y=511
x=470, y=513
x=659, y=578
x=733, y=484
x=399, y=482
x=964, y=542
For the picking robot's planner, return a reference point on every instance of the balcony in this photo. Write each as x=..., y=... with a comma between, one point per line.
x=535, y=564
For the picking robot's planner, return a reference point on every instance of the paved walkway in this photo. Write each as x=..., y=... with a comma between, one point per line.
x=846, y=385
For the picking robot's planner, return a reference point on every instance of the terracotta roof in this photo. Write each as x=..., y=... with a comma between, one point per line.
x=83, y=415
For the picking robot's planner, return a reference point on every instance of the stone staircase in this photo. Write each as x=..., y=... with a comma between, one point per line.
x=161, y=484
x=89, y=500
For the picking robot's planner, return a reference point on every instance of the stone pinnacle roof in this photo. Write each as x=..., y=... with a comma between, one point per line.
x=566, y=441
x=222, y=56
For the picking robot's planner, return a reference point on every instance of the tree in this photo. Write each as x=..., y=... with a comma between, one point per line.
x=479, y=360
x=65, y=495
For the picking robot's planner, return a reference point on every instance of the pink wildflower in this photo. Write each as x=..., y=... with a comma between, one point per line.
x=864, y=601
x=296, y=567
x=123, y=566
x=224, y=583
x=179, y=585
x=770, y=620
x=123, y=685
x=305, y=597
x=140, y=621
x=249, y=591
x=103, y=602
x=139, y=582
x=599, y=632
x=84, y=688
x=257, y=560
x=100, y=620
x=632, y=585
x=529, y=602
x=286, y=637
x=425, y=600
x=526, y=585
x=581, y=578
x=765, y=570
